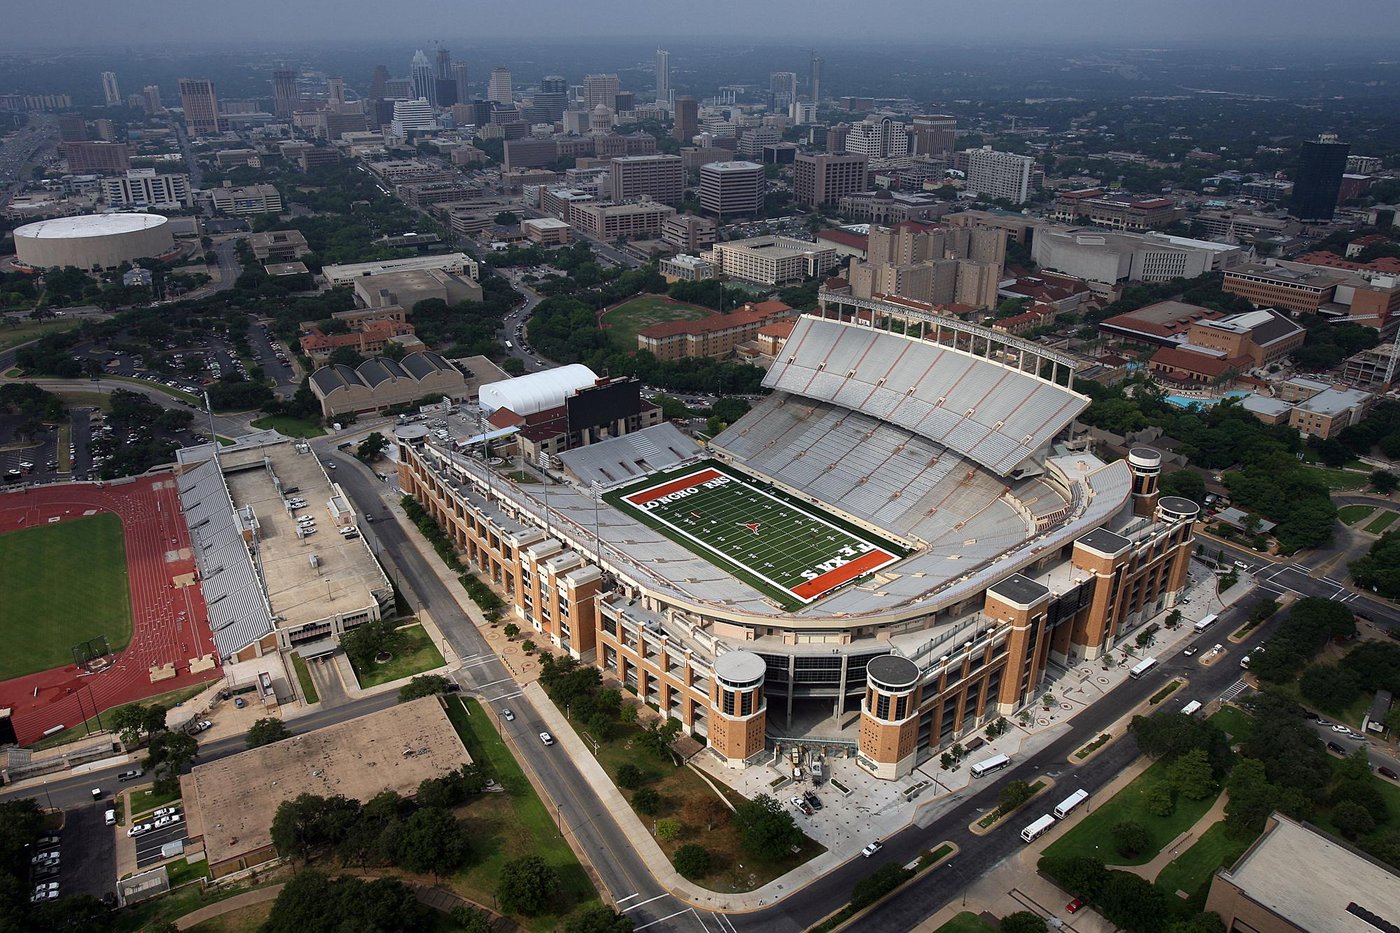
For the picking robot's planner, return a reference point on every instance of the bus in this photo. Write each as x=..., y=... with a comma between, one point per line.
x=1070, y=802
x=1206, y=623
x=1037, y=829
x=509, y=345
x=988, y=765
x=1143, y=666
x=1190, y=709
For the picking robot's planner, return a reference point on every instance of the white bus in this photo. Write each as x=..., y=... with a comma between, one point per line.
x=1143, y=666
x=1070, y=802
x=996, y=762
x=1037, y=829
x=1206, y=623
x=1190, y=709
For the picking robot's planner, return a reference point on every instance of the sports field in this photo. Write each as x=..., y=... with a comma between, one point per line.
x=61, y=584
x=624, y=321
x=789, y=550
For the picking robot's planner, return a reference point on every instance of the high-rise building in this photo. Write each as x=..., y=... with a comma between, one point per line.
x=663, y=76
x=879, y=138
x=1319, y=179
x=732, y=189
x=547, y=106
x=398, y=89
x=444, y=62
x=600, y=89
x=687, y=119
x=285, y=97
x=147, y=188
x=335, y=92
x=420, y=73
x=814, y=79
x=934, y=134
x=782, y=89
x=999, y=175
x=378, y=82
x=111, y=94
x=201, y=104
x=97, y=156
x=410, y=115
x=659, y=177
x=499, y=88
x=151, y=97
x=825, y=178
x=72, y=127
x=458, y=73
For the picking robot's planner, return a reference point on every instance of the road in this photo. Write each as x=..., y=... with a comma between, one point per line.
x=517, y=322
x=31, y=145
x=228, y=425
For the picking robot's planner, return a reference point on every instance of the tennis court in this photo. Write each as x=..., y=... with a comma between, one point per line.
x=784, y=548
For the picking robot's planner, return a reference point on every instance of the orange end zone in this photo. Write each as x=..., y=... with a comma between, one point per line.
x=675, y=485
x=843, y=574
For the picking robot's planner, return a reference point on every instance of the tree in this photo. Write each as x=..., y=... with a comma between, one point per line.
x=1023, y=921
x=346, y=356
x=512, y=630
x=135, y=720
x=1013, y=794
x=312, y=901
x=309, y=823
x=599, y=919
x=877, y=884
x=668, y=828
x=1191, y=775
x=1134, y=903
x=366, y=642
x=425, y=685
x=1384, y=481
x=630, y=777
x=1130, y=839
x=766, y=829
x=659, y=736
x=1329, y=687
x=372, y=446
x=1352, y=819
x=692, y=861
x=1251, y=798
x=433, y=841
x=1201, y=923
x=1083, y=875
x=1159, y=800
x=167, y=756
x=646, y=801
x=713, y=811
x=528, y=885
x=265, y=732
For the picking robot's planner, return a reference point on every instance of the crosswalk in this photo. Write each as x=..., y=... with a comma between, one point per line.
x=682, y=919
x=1229, y=695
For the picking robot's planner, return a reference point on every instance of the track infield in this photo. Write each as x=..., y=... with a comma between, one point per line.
x=791, y=551
x=62, y=584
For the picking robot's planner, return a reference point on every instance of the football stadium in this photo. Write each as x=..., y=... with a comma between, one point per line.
x=892, y=548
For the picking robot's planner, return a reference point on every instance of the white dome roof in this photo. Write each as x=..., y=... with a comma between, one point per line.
x=526, y=395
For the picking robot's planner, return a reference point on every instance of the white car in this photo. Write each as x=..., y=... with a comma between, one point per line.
x=546, y=738
x=140, y=828
x=166, y=811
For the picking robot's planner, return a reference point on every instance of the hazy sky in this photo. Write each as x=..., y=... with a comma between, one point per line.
x=1147, y=23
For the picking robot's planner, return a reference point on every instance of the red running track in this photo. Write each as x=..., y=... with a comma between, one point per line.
x=170, y=625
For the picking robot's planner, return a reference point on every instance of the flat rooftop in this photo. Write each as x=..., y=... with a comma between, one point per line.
x=346, y=574
x=231, y=802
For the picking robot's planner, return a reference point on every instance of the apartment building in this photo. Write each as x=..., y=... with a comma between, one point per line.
x=250, y=199
x=97, y=156
x=826, y=178
x=201, y=106
x=771, y=260
x=144, y=187
x=999, y=175
x=716, y=336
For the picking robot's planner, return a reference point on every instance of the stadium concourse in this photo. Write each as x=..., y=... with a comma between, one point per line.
x=170, y=627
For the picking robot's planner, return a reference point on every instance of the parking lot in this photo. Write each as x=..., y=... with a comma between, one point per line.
x=87, y=853
x=148, y=844
x=281, y=372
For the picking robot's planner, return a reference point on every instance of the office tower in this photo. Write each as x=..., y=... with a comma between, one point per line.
x=72, y=127
x=411, y=115
x=825, y=178
x=378, y=83
x=97, y=156
x=687, y=119
x=458, y=73
x=1319, y=178
x=421, y=76
x=663, y=76
x=999, y=175
x=201, y=105
x=151, y=96
x=110, y=93
x=398, y=89
x=498, y=89
x=659, y=177
x=814, y=79
x=104, y=129
x=444, y=62
x=624, y=101
x=934, y=134
x=548, y=105
x=878, y=138
x=732, y=189
x=285, y=96
x=600, y=89
x=335, y=92
x=782, y=88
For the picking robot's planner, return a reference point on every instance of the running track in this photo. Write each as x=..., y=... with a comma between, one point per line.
x=169, y=624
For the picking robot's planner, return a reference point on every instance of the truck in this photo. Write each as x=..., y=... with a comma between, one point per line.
x=1190, y=709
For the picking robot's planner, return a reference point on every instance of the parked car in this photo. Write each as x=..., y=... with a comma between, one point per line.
x=813, y=800
x=1190, y=651
x=1334, y=747
x=1074, y=905
x=131, y=775
x=1342, y=729
x=871, y=849
x=239, y=702
x=200, y=726
x=166, y=811
x=1385, y=772
x=140, y=828
x=801, y=805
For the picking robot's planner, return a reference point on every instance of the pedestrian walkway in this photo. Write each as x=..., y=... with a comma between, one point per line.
x=1181, y=843
x=228, y=905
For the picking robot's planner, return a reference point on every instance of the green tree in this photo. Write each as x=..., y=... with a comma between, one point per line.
x=365, y=642
x=646, y=801
x=471, y=920
x=598, y=919
x=766, y=829
x=1023, y=921
x=433, y=841
x=692, y=861
x=1384, y=481
x=877, y=884
x=167, y=756
x=1134, y=903
x=372, y=446
x=1159, y=800
x=1130, y=839
x=1352, y=819
x=630, y=776
x=512, y=630
x=265, y=732
x=1082, y=875
x=1191, y=775
x=1013, y=794
x=1251, y=798
x=312, y=901
x=668, y=828
x=425, y=685
x=527, y=885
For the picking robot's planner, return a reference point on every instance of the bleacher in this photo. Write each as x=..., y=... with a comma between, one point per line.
x=994, y=414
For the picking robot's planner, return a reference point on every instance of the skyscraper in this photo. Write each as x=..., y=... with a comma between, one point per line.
x=548, y=105
x=600, y=89
x=377, y=82
x=458, y=73
x=201, y=105
x=934, y=133
x=110, y=93
x=335, y=90
x=815, y=78
x=687, y=119
x=285, y=96
x=410, y=115
x=663, y=76
x=498, y=89
x=151, y=95
x=1319, y=178
x=420, y=73
x=444, y=62
x=782, y=86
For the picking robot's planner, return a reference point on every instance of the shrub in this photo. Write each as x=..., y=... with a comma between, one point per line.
x=630, y=776
x=1159, y=801
x=692, y=861
x=668, y=828
x=1130, y=839
x=646, y=801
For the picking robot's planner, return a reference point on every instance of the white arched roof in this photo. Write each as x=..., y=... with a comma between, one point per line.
x=526, y=395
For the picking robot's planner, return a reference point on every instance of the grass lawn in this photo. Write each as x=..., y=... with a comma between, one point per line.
x=150, y=914
x=966, y=922
x=416, y=655
x=63, y=584
x=185, y=871
x=684, y=795
x=79, y=399
x=1340, y=479
x=511, y=824
x=1351, y=514
x=74, y=733
x=65, y=440
x=1192, y=870
x=144, y=801
x=1092, y=835
x=1382, y=522
x=624, y=321
x=13, y=336
x=291, y=427
x=1235, y=722
x=308, y=687
x=236, y=921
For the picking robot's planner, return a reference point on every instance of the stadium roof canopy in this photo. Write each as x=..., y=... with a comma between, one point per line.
x=536, y=392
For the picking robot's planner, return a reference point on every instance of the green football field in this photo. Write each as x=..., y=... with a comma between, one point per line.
x=624, y=321
x=789, y=550
x=61, y=585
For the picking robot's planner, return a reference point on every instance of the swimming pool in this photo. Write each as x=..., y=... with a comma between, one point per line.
x=1186, y=401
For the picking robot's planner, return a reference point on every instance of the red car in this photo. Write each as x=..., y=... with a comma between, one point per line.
x=1074, y=905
